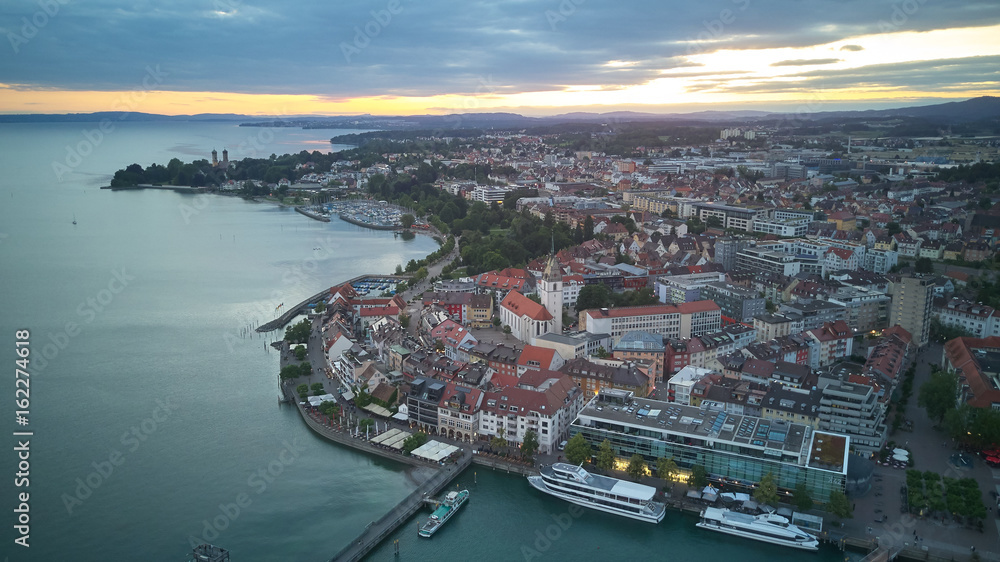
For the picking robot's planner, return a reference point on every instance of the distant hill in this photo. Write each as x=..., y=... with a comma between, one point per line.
x=135, y=116
x=986, y=107
x=975, y=109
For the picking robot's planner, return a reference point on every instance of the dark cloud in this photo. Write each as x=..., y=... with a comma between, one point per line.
x=409, y=47
x=805, y=62
x=852, y=48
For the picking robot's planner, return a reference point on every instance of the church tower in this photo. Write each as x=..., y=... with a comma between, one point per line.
x=551, y=292
x=215, y=158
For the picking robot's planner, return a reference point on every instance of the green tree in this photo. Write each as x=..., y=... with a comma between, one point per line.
x=713, y=222
x=767, y=490
x=290, y=372
x=303, y=390
x=636, y=467
x=699, y=477
x=320, y=306
x=498, y=443
x=666, y=468
x=305, y=369
x=298, y=333
x=605, y=456
x=317, y=389
x=329, y=408
x=602, y=353
x=596, y=295
x=577, y=449
x=803, y=500
x=893, y=228
x=406, y=220
x=300, y=352
x=362, y=399
x=404, y=320
x=838, y=506
x=924, y=265
x=529, y=444
x=588, y=228
x=939, y=395
x=414, y=441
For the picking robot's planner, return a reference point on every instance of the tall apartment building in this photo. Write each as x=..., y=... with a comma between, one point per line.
x=912, y=306
x=726, y=249
x=854, y=410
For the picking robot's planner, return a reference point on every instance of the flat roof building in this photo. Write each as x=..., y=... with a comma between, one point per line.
x=734, y=449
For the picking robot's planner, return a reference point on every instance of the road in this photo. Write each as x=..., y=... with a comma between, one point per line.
x=931, y=449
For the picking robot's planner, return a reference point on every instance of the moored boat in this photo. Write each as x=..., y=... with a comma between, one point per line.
x=574, y=484
x=452, y=502
x=769, y=527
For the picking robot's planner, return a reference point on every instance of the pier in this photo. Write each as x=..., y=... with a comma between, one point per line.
x=375, y=532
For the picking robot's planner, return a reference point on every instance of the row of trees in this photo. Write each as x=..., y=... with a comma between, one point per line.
x=317, y=390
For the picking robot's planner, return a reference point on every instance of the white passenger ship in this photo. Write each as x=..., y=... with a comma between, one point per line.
x=769, y=527
x=574, y=484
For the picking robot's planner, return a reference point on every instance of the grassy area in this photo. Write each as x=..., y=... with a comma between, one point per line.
x=499, y=231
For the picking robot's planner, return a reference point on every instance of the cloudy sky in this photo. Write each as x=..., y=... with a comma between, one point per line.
x=534, y=57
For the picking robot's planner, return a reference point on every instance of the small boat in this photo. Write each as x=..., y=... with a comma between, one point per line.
x=74, y=218
x=452, y=502
x=769, y=527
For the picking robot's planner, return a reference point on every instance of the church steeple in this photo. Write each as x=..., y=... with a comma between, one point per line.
x=551, y=287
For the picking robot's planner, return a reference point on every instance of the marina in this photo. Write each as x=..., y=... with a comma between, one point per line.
x=574, y=484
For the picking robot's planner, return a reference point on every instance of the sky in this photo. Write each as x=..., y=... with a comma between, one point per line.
x=534, y=57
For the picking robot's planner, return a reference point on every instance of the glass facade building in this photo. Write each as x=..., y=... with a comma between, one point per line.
x=736, y=451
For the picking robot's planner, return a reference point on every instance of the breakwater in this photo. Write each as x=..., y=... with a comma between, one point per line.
x=292, y=312
x=312, y=215
x=348, y=218
x=177, y=188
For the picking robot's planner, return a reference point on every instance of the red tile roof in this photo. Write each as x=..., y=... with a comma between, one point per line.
x=521, y=305
x=543, y=356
